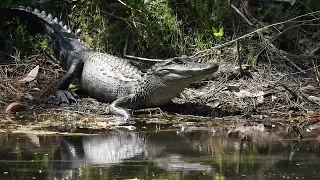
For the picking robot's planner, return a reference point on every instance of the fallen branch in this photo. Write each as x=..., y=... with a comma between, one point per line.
x=282, y=54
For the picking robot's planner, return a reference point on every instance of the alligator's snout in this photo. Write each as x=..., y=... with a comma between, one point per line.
x=184, y=71
x=192, y=69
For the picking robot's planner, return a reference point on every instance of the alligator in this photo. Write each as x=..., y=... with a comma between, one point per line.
x=109, y=78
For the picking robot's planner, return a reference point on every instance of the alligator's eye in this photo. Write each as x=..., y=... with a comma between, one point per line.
x=178, y=61
x=162, y=72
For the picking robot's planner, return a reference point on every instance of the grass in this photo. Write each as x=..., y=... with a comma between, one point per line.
x=155, y=29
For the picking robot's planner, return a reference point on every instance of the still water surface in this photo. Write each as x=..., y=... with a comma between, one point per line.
x=170, y=154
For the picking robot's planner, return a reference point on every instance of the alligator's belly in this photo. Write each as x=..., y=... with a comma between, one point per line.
x=101, y=90
x=162, y=96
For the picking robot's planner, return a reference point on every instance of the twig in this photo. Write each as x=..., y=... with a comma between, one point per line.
x=290, y=91
x=137, y=58
x=282, y=53
x=242, y=15
x=126, y=20
x=121, y=2
x=239, y=58
x=316, y=71
x=143, y=59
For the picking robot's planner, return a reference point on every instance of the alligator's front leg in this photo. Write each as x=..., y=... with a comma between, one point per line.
x=115, y=107
x=75, y=70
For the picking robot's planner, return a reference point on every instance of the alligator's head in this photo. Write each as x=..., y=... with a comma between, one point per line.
x=168, y=79
x=183, y=71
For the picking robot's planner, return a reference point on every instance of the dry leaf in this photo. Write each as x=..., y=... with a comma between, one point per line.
x=260, y=99
x=258, y=94
x=307, y=88
x=243, y=93
x=28, y=96
x=31, y=75
x=14, y=107
x=314, y=98
x=315, y=117
x=273, y=98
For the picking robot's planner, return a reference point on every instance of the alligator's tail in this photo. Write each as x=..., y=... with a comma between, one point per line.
x=63, y=41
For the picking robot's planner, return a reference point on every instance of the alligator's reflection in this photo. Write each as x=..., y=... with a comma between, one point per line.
x=167, y=150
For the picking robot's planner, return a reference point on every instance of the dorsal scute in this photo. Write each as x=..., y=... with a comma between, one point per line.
x=55, y=20
x=29, y=9
x=49, y=17
x=43, y=14
x=120, y=67
x=36, y=11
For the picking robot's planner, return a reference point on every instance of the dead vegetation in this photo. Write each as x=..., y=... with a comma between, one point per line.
x=271, y=90
x=27, y=81
x=279, y=79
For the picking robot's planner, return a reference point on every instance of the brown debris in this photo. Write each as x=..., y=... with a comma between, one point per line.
x=13, y=107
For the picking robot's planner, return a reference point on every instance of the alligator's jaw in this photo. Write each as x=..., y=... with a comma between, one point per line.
x=186, y=71
x=168, y=80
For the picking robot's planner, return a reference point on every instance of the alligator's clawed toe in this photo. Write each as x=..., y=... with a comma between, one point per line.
x=65, y=97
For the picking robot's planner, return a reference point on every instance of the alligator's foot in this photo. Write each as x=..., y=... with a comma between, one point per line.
x=115, y=109
x=65, y=97
x=123, y=113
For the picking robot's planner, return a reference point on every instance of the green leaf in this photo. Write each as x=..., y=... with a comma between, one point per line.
x=217, y=33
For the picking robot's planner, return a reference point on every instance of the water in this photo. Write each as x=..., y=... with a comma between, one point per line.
x=168, y=154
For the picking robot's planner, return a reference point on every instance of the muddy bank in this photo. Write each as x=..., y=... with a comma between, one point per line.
x=69, y=122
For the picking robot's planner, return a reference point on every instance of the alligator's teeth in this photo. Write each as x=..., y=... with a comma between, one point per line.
x=61, y=23
x=36, y=11
x=55, y=20
x=65, y=27
x=43, y=14
x=69, y=31
x=29, y=9
x=50, y=17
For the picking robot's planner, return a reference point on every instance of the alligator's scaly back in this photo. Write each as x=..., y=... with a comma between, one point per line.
x=59, y=35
